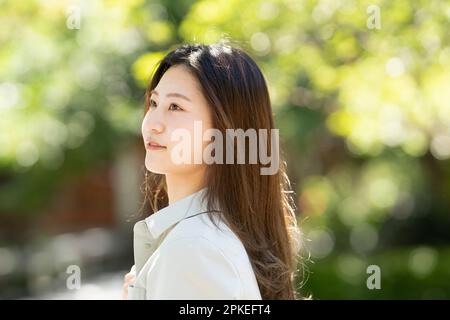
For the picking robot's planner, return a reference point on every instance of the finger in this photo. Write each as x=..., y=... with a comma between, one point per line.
x=129, y=276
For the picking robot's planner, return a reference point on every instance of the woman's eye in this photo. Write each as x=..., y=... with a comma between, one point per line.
x=174, y=107
x=152, y=104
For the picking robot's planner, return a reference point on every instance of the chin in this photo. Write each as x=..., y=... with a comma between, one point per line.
x=156, y=167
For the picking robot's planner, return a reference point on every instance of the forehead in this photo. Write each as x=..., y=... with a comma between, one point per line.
x=178, y=79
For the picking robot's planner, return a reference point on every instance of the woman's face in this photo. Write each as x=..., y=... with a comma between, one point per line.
x=176, y=103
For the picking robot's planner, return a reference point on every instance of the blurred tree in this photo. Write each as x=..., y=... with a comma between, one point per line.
x=71, y=95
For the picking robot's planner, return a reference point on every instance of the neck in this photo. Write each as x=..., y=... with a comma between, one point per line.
x=180, y=186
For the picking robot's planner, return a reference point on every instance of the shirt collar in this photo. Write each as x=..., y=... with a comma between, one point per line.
x=186, y=207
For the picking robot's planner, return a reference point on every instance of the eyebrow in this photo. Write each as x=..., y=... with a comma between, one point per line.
x=172, y=94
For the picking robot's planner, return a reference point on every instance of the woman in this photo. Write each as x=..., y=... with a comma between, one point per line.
x=219, y=229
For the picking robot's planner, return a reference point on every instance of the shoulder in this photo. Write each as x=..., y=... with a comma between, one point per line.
x=189, y=244
x=211, y=234
x=202, y=258
x=193, y=268
x=201, y=227
x=198, y=251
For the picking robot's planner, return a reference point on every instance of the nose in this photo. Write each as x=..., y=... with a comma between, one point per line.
x=157, y=128
x=153, y=123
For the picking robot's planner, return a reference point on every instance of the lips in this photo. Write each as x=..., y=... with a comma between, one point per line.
x=153, y=145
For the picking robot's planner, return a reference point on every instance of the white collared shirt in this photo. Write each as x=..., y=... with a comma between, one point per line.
x=196, y=260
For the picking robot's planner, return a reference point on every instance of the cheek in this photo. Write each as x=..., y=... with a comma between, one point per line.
x=188, y=134
x=177, y=126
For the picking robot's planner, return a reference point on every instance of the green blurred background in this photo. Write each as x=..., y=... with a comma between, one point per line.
x=363, y=108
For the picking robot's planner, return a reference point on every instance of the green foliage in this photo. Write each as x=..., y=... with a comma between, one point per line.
x=70, y=98
x=405, y=274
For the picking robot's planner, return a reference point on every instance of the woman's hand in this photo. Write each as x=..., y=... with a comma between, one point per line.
x=127, y=280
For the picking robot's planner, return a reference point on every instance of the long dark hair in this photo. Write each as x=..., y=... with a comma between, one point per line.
x=258, y=208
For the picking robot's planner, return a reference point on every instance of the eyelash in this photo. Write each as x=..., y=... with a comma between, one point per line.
x=153, y=104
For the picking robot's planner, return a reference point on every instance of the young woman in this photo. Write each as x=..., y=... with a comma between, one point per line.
x=217, y=229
